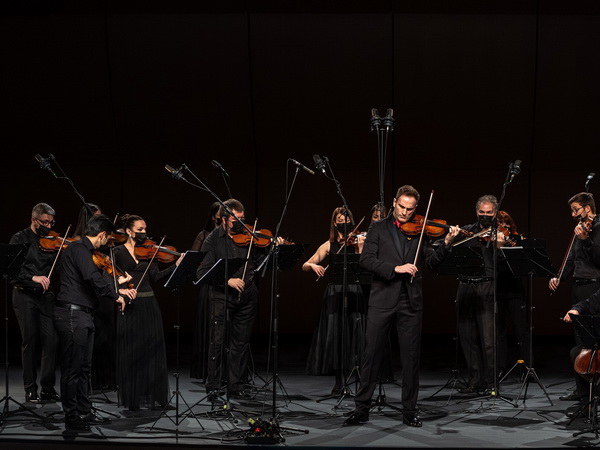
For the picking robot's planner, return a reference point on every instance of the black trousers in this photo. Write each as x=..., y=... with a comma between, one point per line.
x=234, y=324
x=76, y=334
x=476, y=331
x=408, y=325
x=34, y=313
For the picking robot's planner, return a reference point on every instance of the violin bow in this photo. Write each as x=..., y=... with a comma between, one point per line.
x=423, y=231
x=59, y=250
x=248, y=256
x=344, y=243
x=150, y=262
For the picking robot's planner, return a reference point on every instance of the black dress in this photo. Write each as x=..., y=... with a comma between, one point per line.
x=325, y=355
x=142, y=375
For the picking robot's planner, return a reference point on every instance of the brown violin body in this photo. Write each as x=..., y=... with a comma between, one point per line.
x=104, y=262
x=262, y=238
x=53, y=242
x=433, y=228
x=587, y=363
x=164, y=253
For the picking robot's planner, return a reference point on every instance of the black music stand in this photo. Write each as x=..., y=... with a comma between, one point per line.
x=12, y=257
x=528, y=260
x=347, y=269
x=182, y=274
x=587, y=328
x=460, y=262
x=221, y=271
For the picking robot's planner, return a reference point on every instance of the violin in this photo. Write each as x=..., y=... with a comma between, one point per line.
x=433, y=228
x=104, y=262
x=352, y=239
x=486, y=235
x=164, y=253
x=261, y=238
x=53, y=242
x=118, y=237
x=587, y=363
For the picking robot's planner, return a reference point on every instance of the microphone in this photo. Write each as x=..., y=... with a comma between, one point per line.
x=590, y=177
x=220, y=167
x=302, y=166
x=45, y=163
x=375, y=119
x=176, y=173
x=515, y=169
x=388, y=120
x=319, y=164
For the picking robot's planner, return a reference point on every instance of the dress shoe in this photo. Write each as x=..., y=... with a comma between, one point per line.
x=337, y=388
x=50, y=396
x=240, y=395
x=91, y=418
x=411, y=420
x=75, y=423
x=572, y=397
x=32, y=397
x=356, y=418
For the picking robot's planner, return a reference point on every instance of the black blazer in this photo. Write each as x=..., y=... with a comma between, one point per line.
x=382, y=252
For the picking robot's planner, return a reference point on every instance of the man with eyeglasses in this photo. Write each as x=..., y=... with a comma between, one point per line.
x=33, y=302
x=583, y=263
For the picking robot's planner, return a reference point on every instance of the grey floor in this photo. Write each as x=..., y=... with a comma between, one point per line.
x=306, y=418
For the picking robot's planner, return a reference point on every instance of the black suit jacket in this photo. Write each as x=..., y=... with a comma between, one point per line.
x=383, y=251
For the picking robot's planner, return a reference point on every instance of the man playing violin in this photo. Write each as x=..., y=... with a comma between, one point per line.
x=82, y=283
x=583, y=263
x=240, y=301
x=33, y=303
x=396, y=297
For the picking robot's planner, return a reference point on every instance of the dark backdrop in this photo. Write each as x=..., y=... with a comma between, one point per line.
x=117, y=91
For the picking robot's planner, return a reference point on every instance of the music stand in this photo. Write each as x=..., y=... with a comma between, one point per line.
x=12, y=257
x=221, y=271
x=347, y=269
x=528, y=260
x=179, y=277
x=460, y=262
x=587, y=328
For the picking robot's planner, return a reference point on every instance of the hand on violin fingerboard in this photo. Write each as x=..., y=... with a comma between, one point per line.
x=452, y=233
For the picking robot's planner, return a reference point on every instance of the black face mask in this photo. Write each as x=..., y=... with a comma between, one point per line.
x=343, y=226
x=43, y=231
x=485, y=221
x=237, y=227
x=140, y=238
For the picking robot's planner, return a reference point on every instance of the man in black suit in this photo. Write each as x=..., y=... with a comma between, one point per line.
x=396, y=295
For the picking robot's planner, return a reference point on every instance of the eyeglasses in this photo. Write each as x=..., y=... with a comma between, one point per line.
x=576, y=211
x=45, y=223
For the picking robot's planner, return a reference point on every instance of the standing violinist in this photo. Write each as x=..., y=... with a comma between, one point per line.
x=82, y=284
x=475, y=297
x=33, y=303
x=583, y=263
x=235, y=298
x=325, y=354
x=142, y=376
x=396, y=297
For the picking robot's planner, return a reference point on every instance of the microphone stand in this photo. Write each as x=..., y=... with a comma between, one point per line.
x=274, y=253
x=513, y=170
x=345, y=391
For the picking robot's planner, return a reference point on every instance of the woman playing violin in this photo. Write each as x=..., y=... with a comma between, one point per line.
x=325, y=355
x=142, y=375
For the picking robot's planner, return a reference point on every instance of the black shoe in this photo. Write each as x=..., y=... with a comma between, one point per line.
x=337, y=388
x=75, y=423
x=50, y=396
x=91, y=418
x=572, y=397
x=411, y=420
x=240, y=395
x=357, y=418
x=32, y=397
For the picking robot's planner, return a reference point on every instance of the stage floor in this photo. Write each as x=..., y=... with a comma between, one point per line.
x=307, y=419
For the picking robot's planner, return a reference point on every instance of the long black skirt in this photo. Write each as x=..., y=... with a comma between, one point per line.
x=142, y=374
x=334, y=342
